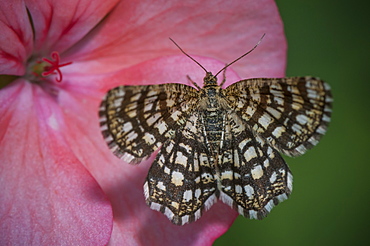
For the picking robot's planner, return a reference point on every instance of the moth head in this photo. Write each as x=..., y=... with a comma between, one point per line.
x=210, y=79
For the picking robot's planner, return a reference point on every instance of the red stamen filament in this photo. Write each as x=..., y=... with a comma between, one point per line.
x=54, y=67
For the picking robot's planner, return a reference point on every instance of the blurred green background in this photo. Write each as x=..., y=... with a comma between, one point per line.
x=331, y=195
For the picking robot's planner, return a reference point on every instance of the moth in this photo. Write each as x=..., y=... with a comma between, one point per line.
x=216, y=143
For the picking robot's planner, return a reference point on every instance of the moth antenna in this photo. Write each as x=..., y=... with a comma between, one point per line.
x=240, y=56
x=188, y=55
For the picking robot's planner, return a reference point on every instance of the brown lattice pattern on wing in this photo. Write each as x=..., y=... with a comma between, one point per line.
x=254, y=177
x=137, y=120
x=181, y=181
x=290, y=113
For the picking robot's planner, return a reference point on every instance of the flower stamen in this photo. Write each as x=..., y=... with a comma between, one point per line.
x=54, y=67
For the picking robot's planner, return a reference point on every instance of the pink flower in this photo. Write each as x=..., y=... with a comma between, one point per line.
x=60, y=182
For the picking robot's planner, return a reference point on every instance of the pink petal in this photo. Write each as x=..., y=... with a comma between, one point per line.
x=60, y=24
x=128, y=40
x=48, y=197
x=139, y=30
x=15, y=37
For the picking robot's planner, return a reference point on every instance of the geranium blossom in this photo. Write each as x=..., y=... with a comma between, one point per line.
x=60, y=183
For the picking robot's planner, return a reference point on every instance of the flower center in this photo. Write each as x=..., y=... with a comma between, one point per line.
x=46, y=67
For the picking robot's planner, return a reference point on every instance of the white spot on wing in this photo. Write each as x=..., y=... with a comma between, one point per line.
x=249, y=191
x=290, y=181
x=265, y=121
x=198, y=192
x=170, y=102
x=273, y=177
x=155, y=206
x=132, y=136
x=134, y=98
x=302, y=119
x=177, y=178
x=227, y=175
x=161, y=186
x=181, y=159
x=161, y=126
x=326, y=118
x=238, y=189
x=253, y=214
x=297, y=128
x=321, y=130
x=167, y=170
x=169, y=147
x=243, y=143
x=148, y=107
x=153, y=118
x=278, y=131
x=188, y=195
x=149, y=138
x=175, y=115
x=257, y=172
x=127, y=127
x=275, y=113
x=250, y=153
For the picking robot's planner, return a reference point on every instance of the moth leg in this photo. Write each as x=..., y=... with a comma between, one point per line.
x=191, y=81
x=223, y=76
